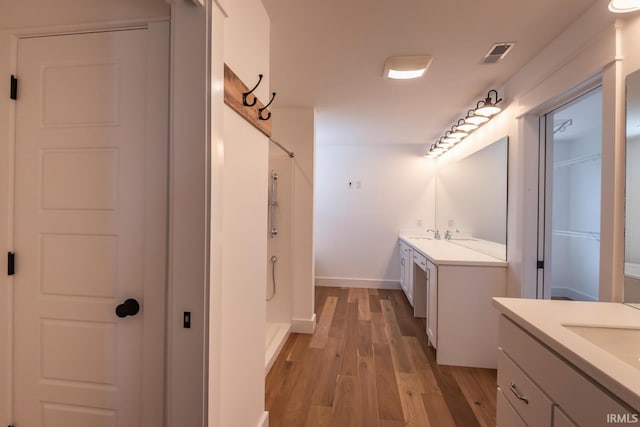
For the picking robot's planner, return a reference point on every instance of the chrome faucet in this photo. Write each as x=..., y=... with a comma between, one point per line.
x=449, y=233
x=436, y=233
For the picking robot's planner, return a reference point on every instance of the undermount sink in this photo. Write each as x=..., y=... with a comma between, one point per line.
x=623, y=343
x=420, y=237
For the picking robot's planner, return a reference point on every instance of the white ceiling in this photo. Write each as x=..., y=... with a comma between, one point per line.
x=329, y=54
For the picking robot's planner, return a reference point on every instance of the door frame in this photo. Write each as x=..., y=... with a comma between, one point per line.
x=162, y=29
x=544, y=185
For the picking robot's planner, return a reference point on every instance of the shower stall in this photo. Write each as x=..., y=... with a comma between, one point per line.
x=279, y=291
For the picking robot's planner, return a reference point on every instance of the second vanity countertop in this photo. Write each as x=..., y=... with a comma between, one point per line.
x=444, y=252
x=546, y=320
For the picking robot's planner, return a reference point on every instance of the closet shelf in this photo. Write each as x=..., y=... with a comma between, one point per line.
x=578, y=234
x=577, y=161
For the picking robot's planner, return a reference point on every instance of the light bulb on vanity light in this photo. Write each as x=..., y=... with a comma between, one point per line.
x=431, y=155
x=475, y=120
x=448, y=138
x=458, y=134
x=488, y=108
x=466, y=127
x=624, y=6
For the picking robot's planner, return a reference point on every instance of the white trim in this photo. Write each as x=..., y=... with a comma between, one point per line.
x=11, y=186
x=221, y=7
x=264, y=420
x=345, y=282
x=272, y=351
x=303, y=326
x=56, y=30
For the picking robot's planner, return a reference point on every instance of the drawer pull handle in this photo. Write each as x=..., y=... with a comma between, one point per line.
x=517, y=394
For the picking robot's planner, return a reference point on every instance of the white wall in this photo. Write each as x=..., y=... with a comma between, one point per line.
x=357, y=226
x=215, y=34
x=188, y=220
x=295, y=129
x=244, y=216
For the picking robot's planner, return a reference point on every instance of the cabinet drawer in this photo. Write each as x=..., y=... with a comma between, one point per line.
x=404, y=247
x=584, y=401
x=507, y=416
x=528, y=400
x=560, y=419
x=420, y=260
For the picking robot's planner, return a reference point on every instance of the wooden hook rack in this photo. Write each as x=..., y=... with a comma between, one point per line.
x=234, y=88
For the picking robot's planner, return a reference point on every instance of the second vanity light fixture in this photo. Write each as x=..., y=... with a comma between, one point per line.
x=484, y=111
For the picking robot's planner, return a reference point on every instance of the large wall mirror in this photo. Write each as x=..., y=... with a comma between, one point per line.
x=632, y=199
x=471, y=199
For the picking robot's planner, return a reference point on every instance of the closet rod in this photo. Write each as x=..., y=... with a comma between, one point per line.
x=290, y=153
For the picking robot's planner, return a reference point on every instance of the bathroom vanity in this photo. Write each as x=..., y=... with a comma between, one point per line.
x=567, y=363
x=452, y=287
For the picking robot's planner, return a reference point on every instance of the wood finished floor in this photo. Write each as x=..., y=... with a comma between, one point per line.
x=368, y=364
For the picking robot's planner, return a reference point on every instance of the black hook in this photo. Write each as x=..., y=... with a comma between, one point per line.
x=260, y=110
x=246, y=94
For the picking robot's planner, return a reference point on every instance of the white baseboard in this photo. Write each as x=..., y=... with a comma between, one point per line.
x=303, y=326
x=571, y=294
x=343, y=282
x=274, y=347
x=264, y=421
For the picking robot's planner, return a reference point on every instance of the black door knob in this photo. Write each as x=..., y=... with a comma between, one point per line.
x=128, y=308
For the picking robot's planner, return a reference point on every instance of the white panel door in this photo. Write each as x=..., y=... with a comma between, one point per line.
x=90, y=232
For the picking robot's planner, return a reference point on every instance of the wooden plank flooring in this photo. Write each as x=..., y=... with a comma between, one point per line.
x=368, y=365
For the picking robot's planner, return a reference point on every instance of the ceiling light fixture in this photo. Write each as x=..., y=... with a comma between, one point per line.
x=443, y=142
x=484, y=111
x=488, y=108
x=448, y=138
x=475, y=120
x=624, y=6
x=406, y=67
x=460, y=134
x=466, y=127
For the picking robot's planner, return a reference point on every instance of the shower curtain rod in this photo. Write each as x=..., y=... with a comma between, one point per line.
x=290, y=153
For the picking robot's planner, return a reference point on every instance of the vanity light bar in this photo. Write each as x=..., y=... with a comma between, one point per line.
x=485, y=110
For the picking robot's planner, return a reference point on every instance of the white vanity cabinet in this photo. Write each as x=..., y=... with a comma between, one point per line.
x=406, y=269
x=453, y=288
x=542, y=389
x=432, y=303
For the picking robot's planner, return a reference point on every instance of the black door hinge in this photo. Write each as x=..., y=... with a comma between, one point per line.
x=14, y=87
x=11, y=263
x=540, y=264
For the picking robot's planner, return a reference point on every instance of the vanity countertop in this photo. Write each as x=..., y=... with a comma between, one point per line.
x=545, y=320
x=444, y=252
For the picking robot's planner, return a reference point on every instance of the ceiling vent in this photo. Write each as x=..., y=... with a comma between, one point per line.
x=497, y=52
